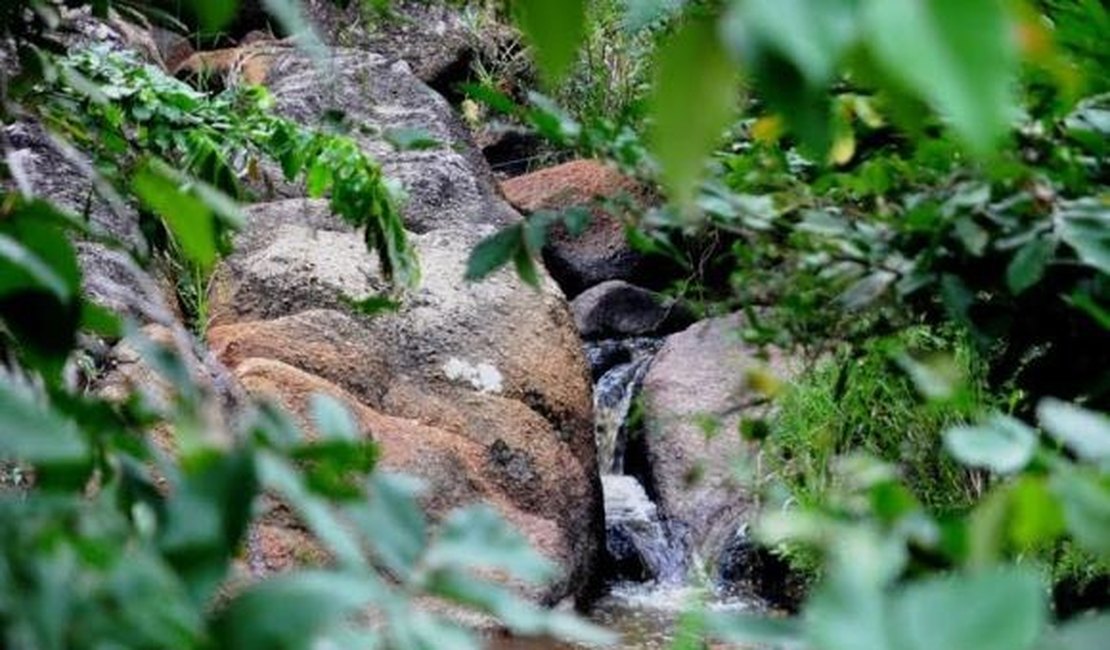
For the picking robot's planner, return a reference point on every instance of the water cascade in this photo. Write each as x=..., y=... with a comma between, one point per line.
x=641, y=545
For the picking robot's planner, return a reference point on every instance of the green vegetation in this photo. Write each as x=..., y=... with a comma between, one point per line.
x=124, y=113
x=109, y=538
x=913, y=194
x=863, y=402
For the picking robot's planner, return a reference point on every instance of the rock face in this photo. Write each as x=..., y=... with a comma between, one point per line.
x=481, y=389
x=433, y=37
x=114, y=280
x=600, y=253
x=617, y=309
x=701, y=376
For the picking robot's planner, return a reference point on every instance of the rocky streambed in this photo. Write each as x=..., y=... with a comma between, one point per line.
x=578, y=410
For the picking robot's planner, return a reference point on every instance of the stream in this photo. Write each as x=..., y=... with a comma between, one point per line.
x=649, y=573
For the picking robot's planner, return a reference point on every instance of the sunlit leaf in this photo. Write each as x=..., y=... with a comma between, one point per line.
x=961, y=56
x=293, y=611
x=1086, y=503
x=690, y=110
x=411, y=139
x=332, y=419
x=812, y=34
x=1085, y=226
x=478, y=537
x=34, y=433
x=188, y=218
x=1085, y=432
x=1002, y=609
x=555, y=29
x=393, y=522
x=1002, y=444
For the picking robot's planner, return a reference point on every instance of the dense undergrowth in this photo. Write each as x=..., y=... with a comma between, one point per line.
x=931, y=230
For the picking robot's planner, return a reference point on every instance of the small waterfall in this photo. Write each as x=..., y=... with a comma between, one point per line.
x=619, y=367
x=640, y=542
x=636, y=535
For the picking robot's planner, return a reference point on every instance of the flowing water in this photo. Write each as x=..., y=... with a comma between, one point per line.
x=649, y=569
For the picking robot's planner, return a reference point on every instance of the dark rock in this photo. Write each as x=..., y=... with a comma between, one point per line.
x=602, y=252
x=745, y=567
x=616, y=308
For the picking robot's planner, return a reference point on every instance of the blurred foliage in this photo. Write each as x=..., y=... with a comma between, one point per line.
x=133, y=521
x=886, y=168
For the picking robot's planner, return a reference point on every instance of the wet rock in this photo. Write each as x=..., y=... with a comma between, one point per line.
x=745, y=567
x=615, y=309
x=510, y=150
x=640, y=547
x=694, y=396
x=602, y=252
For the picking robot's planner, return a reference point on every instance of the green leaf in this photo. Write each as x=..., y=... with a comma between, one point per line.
x=1029, y=263
x=1081, y=633
x=1085, y=226
x=22, y=269
x=959, y=55
x=1001, y=444
x=495, y=251
x=693, y=100
x=526, y=267
x=32, y=432
x=753, y=629
x=1036, y=517
x=409, y=139
x=214, y=15
x=290, y=612
x=35, y=252
x=278, y=475
x=204, y=520
x=1086, y=503
x=1085, y=432
x=189, y=219
x=496, y=100
x=393, y=522
x=476, y=537
x=372, y=305
x=289, y=15
x=973, y=236
x=847, y=612
x=555, y=29
x=812, y=34
x=577, y=220
x=640, y=14
x=1002, y=609
x=332, y=419
x=1088, y=304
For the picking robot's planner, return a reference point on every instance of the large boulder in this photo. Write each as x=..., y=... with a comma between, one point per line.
x=617, y=309
x=602, y=252
x=489, y=374
x=695, y=394
x=439, y=40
